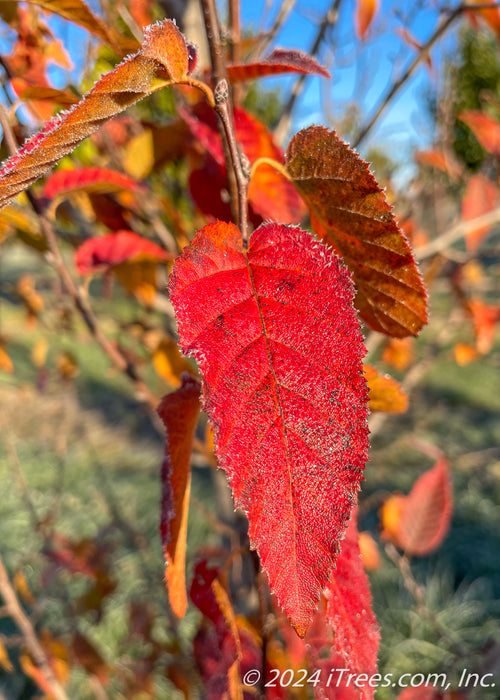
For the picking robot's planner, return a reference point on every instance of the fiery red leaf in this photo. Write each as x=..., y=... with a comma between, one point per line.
x=279, y=347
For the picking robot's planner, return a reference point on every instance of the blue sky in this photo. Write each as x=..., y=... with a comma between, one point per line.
x=361, y=71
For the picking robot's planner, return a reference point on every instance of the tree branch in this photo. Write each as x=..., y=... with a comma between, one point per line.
x=17, y=614
x=398, y=84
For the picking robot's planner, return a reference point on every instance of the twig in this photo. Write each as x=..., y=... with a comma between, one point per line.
x=235, y=43
x=456, y=232
x=398, y=84
x=241, y=176
x=17, y=614
x=329, y=20
x=219, y=73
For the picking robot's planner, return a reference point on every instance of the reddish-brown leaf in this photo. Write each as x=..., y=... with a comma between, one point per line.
x=100, y=180
x=386, y=394
x=349, y=614
x=485, y=129
x=422, y=518
x=99, y=254
x=349, y=212
x=481, y=197
x=162, y=60
x=87, y=656
x=366, y=11
x=179, y=413
x=279, y=347
x=279, y=61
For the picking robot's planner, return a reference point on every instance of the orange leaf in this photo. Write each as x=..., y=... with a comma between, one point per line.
x=279, y=61
x=163, y=59
x=399, y=353
x=485, y=318
x=366, y=11
x=386, y=394
x=5, y=661
x=78, y=12
x=481, y=197
x=485, y=129
x=179, y=412
x=424, y=514
x=42, y=93
x=434, y=158
x=490, y=17
x=6, y=364
x=350, y=213
x=369, y=551
x=464, y=354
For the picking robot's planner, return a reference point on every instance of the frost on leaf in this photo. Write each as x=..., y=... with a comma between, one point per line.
x=350, y=213
x=162, y=60
x=278, y=343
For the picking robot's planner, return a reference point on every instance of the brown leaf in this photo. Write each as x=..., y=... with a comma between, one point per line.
x=386, y=394
x=179, y=412
x=163, y=60
x=350, y=213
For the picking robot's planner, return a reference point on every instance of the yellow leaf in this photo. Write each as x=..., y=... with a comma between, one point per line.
x=139, y=278
x=464, y=354
x=169, y=363
x=67, y=365
x=138, y=159
x=391, y=516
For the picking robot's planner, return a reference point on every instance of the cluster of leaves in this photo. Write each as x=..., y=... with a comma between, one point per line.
x=273, y=319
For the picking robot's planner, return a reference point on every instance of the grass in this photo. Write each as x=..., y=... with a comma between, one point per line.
x=83, y=457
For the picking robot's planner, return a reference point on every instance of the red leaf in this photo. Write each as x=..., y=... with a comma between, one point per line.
x=349, y=613
x=279, y=347
x=366, y=11
x=99, y=254
x=99, y=180
x=485, y=129
x=179, y=413
x=350, y=213
x=425, y=513
x=162, y=60
x=481, y=197
x=279, y=61
x=270, y=194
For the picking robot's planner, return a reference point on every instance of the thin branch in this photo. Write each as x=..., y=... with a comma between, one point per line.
x=241, y=174
x=456, y=232
x=398, y=84
x=17, y=614
x=329, y=20
x=235, y=43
